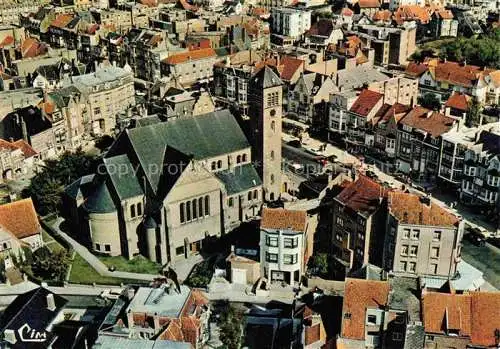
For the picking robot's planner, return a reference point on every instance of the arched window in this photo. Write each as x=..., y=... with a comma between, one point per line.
x=271, y=196
x=255, y=194
x=200, y=207
x=244, y=158
x=188, y=211
x=181, y=212
x=249, y=195
x=238, y=159
x=272, y=179
x=230, y=202
x=139, y=209
x=132, y=211
x=273, y=126
x=219, y=164
x=195, y=210
x=272, y=155
x=213, y=165
x=207, y=206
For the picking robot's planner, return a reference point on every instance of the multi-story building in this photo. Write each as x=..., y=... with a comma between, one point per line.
x=397, y=89
x=19, y=227
x=481, y=175
x=290, y=22
x=340, y=103
x=283, y=239
x=358, y=216
x=460, y=320
x=309, y=97
x=169, y=312
x=108, y=92
x=323, y=33
x=16, y=158
x=163, y=188
x=422, y=238
x=392, y=45
x=231, y=84
x=443, y=24
x=190, y=67
x=443, y=78
x=266, y=96
x=419, y=142
x=11, y=10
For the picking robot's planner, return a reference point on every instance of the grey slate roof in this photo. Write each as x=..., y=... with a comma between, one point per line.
x=242, y=178
x=404, y=295
x=114, y=342
x=358, y=76
x=78, y=189
x=265, y=78
x=123, y=176
x=100, y=200
x=202, y=137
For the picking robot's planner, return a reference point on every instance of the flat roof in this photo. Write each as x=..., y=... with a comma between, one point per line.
x=163, y=300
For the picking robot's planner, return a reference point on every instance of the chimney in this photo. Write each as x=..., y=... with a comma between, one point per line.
x=130, y=293
x=51, y=303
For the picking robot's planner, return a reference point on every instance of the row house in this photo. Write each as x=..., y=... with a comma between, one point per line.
x=16, y=158
x=290, y=22
x=120, y=20
x=307, y=100
x=11, y=10
x=37, y=22
x=323, y=33
x=481, y=177
x=443, y=78
x=190, y=67
x=422, y=238
x=419, y=142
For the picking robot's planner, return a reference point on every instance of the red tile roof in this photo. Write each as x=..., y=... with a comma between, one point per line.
x=190, y=56
x=322, y=27
x=409, y=209
x=362, y=195
x=456, y=73
x=173, y=331
x=384, y=15
x=386, y=112
x=365, y=102
x=62, y=20
x=346, y=12
x=279, y=218
x=8, y=40
x=19, y=218
x=429, y=121
x=458, y=101
x=416, y=69
x=445, y=14
x=290, y=67
x=21, y=144
x=358, y=296
x=368, y=3
x=412, y=13
x=485, y=320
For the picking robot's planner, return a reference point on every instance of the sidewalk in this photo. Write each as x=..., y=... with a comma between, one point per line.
x=99, y=266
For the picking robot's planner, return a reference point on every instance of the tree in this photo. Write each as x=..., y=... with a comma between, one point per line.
x=429, y=101
x=473, y=117
x=320, y=263
x=47, y=186
x=49, y=265
x=231, y=327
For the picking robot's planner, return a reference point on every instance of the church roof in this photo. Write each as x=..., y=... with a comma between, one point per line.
x=100, y=200
x=266, y=78
x=241, y=178
x=123, y=176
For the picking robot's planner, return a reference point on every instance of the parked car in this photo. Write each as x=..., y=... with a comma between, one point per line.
x=475, y=237
x=295, y=143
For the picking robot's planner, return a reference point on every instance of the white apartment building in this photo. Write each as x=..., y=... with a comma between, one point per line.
x=283, y=245
x=290, y=22
x=340, y=103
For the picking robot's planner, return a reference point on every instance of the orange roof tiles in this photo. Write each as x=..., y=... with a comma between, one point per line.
x=190, y=56
x=429, y=121
x=278, y=218
x=485, y=319
x=456, y=73
x=8, y=40
x=362, y=195
x=445, y=14
x=173, y=331
x=62, y=20
x=365, y=102
x=416, y=69
x=384, y=15
x=368, y=3
x=290, y=67
x=346, y=12
x=412, y=13
x=30, y=47
x=19, y=218
x=21, y=144
x=358, y=296
x=408, y=209
x=458, y=101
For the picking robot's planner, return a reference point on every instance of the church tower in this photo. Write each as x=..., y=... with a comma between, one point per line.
x=265, y=97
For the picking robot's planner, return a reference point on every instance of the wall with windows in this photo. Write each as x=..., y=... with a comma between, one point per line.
x=221, y=163
x=423, y=250
x=133, y=212
x=241, y=207
x=281, y=251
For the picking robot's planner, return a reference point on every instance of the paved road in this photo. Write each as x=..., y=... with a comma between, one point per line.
x=293, y=155
x=99, y=266
x=485, y=258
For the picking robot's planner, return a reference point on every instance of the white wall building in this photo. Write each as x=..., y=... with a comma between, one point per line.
x=290, y=22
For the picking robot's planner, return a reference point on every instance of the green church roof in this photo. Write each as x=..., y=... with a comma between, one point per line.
x=122, y=175
x=100, y=200
x=239, y=179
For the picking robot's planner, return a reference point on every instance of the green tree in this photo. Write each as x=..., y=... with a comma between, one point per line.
x=473, y=117
x=49, y=265
x=47, y=186
x=429, y=101
x=320, y=263
x=231, y=327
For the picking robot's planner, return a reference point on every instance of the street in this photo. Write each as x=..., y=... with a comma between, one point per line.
x=485, y=258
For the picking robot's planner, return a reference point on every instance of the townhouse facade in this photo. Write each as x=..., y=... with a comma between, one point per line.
x=290, y=22
x=422, y=237
x=283, y=239
x=190, y=67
